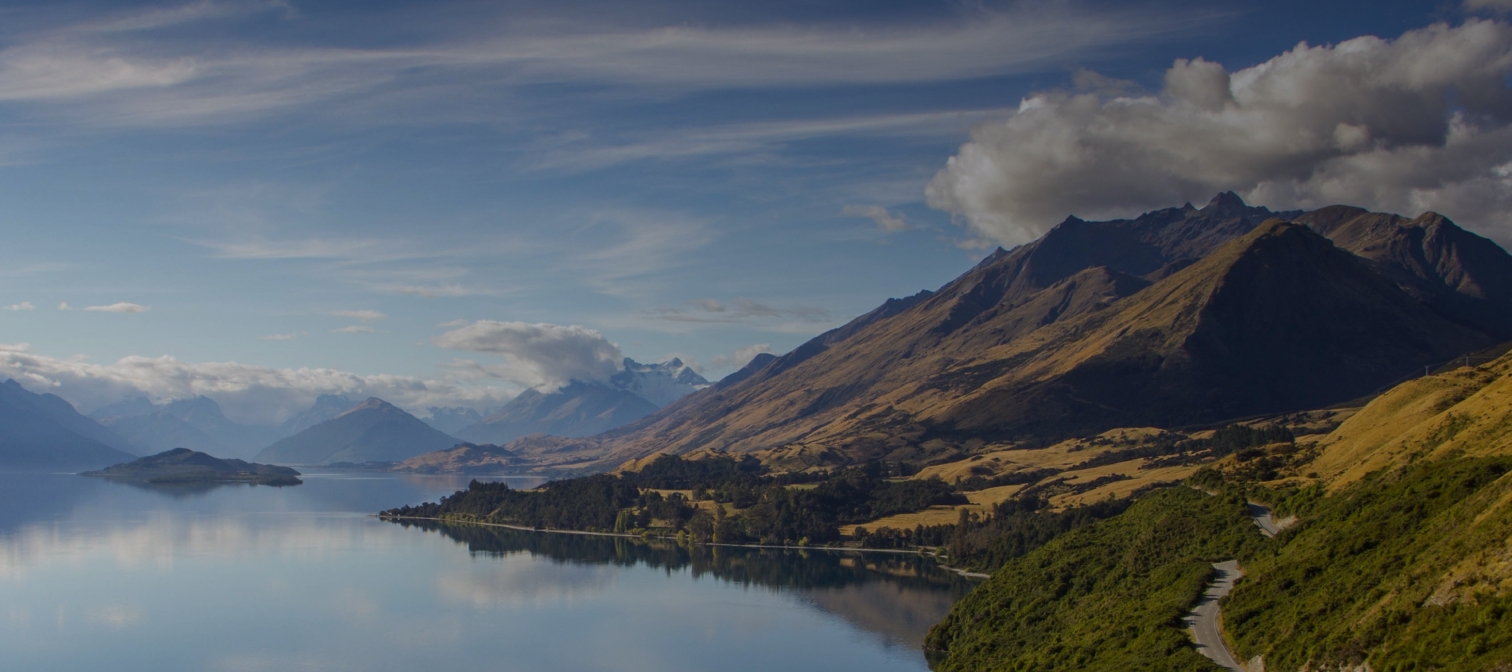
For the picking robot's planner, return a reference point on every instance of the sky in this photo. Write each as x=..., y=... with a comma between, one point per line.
x=445, y=203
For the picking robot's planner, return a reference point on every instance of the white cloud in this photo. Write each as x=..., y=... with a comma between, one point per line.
x=544, y=356
x=64, y=306
x=740, y=357
x=1421, y=122
x=121, y=307
x=878, y=214
x=278, y=337
x=364, y=315
x=247, y=393
x=355, y=329
x=24, y=305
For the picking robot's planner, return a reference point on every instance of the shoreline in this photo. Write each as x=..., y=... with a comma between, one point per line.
x=522, y=528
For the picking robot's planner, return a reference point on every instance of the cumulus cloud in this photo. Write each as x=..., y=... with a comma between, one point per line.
x=543, y=356
x=247, y=393
x=876, y=213
x=64, y=306
x=364, y=315
x=740, y=357
x=1422, y=122
x=121, y=307
x=24, y=305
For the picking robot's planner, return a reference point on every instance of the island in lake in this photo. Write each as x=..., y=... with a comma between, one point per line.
x=182, y=466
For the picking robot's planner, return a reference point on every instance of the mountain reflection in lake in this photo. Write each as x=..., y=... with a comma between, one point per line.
x=102, y=575
x=895, y=596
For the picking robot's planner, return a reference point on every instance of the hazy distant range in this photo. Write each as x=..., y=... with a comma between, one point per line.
x=45, y=431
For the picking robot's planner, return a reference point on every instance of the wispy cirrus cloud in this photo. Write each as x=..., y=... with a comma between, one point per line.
x=364, y=315
x=341, y=249
x=744, y=138
x=738, y=310
x=105, y=72
x=120, y=307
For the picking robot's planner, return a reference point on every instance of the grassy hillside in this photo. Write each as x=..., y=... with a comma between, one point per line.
x=1405, y=570
x=1402, y=559
x=1109, y=596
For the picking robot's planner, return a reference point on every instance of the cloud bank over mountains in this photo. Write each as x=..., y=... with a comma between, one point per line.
x=542, y=356
x=1422, y=122
x=247, y=393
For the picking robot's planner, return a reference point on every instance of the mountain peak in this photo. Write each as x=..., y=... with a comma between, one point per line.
x=384, y=433
x=1227, y=200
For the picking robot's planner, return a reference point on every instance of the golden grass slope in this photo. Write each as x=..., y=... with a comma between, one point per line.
x=1465, y=411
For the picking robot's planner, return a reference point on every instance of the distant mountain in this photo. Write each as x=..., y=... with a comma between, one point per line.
x=1182, y=315
x=159, y=431
x=373, y=430
x=44, y=432
x=584, y=409
x=452, y=419
x=63, y=413
x=326, y=406
x=182, y=466
x=757, y=363
x=579, y=409
x=661, y=383
x=196, y=422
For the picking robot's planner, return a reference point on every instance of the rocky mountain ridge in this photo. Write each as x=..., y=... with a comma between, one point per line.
x=1182, y=315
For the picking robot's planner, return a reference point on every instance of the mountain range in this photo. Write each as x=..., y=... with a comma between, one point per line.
x=199, y=424
x=587, y=408
x=42, y=431
x=1180, y=316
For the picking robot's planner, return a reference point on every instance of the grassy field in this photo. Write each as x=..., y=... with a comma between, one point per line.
x=981, y=504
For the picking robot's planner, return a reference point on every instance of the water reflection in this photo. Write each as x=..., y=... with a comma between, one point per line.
x=893, y=595
x=261, y=578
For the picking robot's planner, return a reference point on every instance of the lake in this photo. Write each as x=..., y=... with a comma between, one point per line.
x=100, y=575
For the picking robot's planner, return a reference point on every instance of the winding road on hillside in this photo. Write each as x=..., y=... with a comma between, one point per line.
x=1204, y=619
x=1269, y=526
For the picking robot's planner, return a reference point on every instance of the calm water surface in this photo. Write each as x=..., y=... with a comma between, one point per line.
x=96, y=575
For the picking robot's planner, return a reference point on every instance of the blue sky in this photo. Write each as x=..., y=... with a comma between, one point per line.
x=268, y=200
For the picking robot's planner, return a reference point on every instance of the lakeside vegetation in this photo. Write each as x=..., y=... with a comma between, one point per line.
x=744, y=506
x=728, y=499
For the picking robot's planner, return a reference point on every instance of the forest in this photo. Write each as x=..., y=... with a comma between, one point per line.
x=735, y=500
